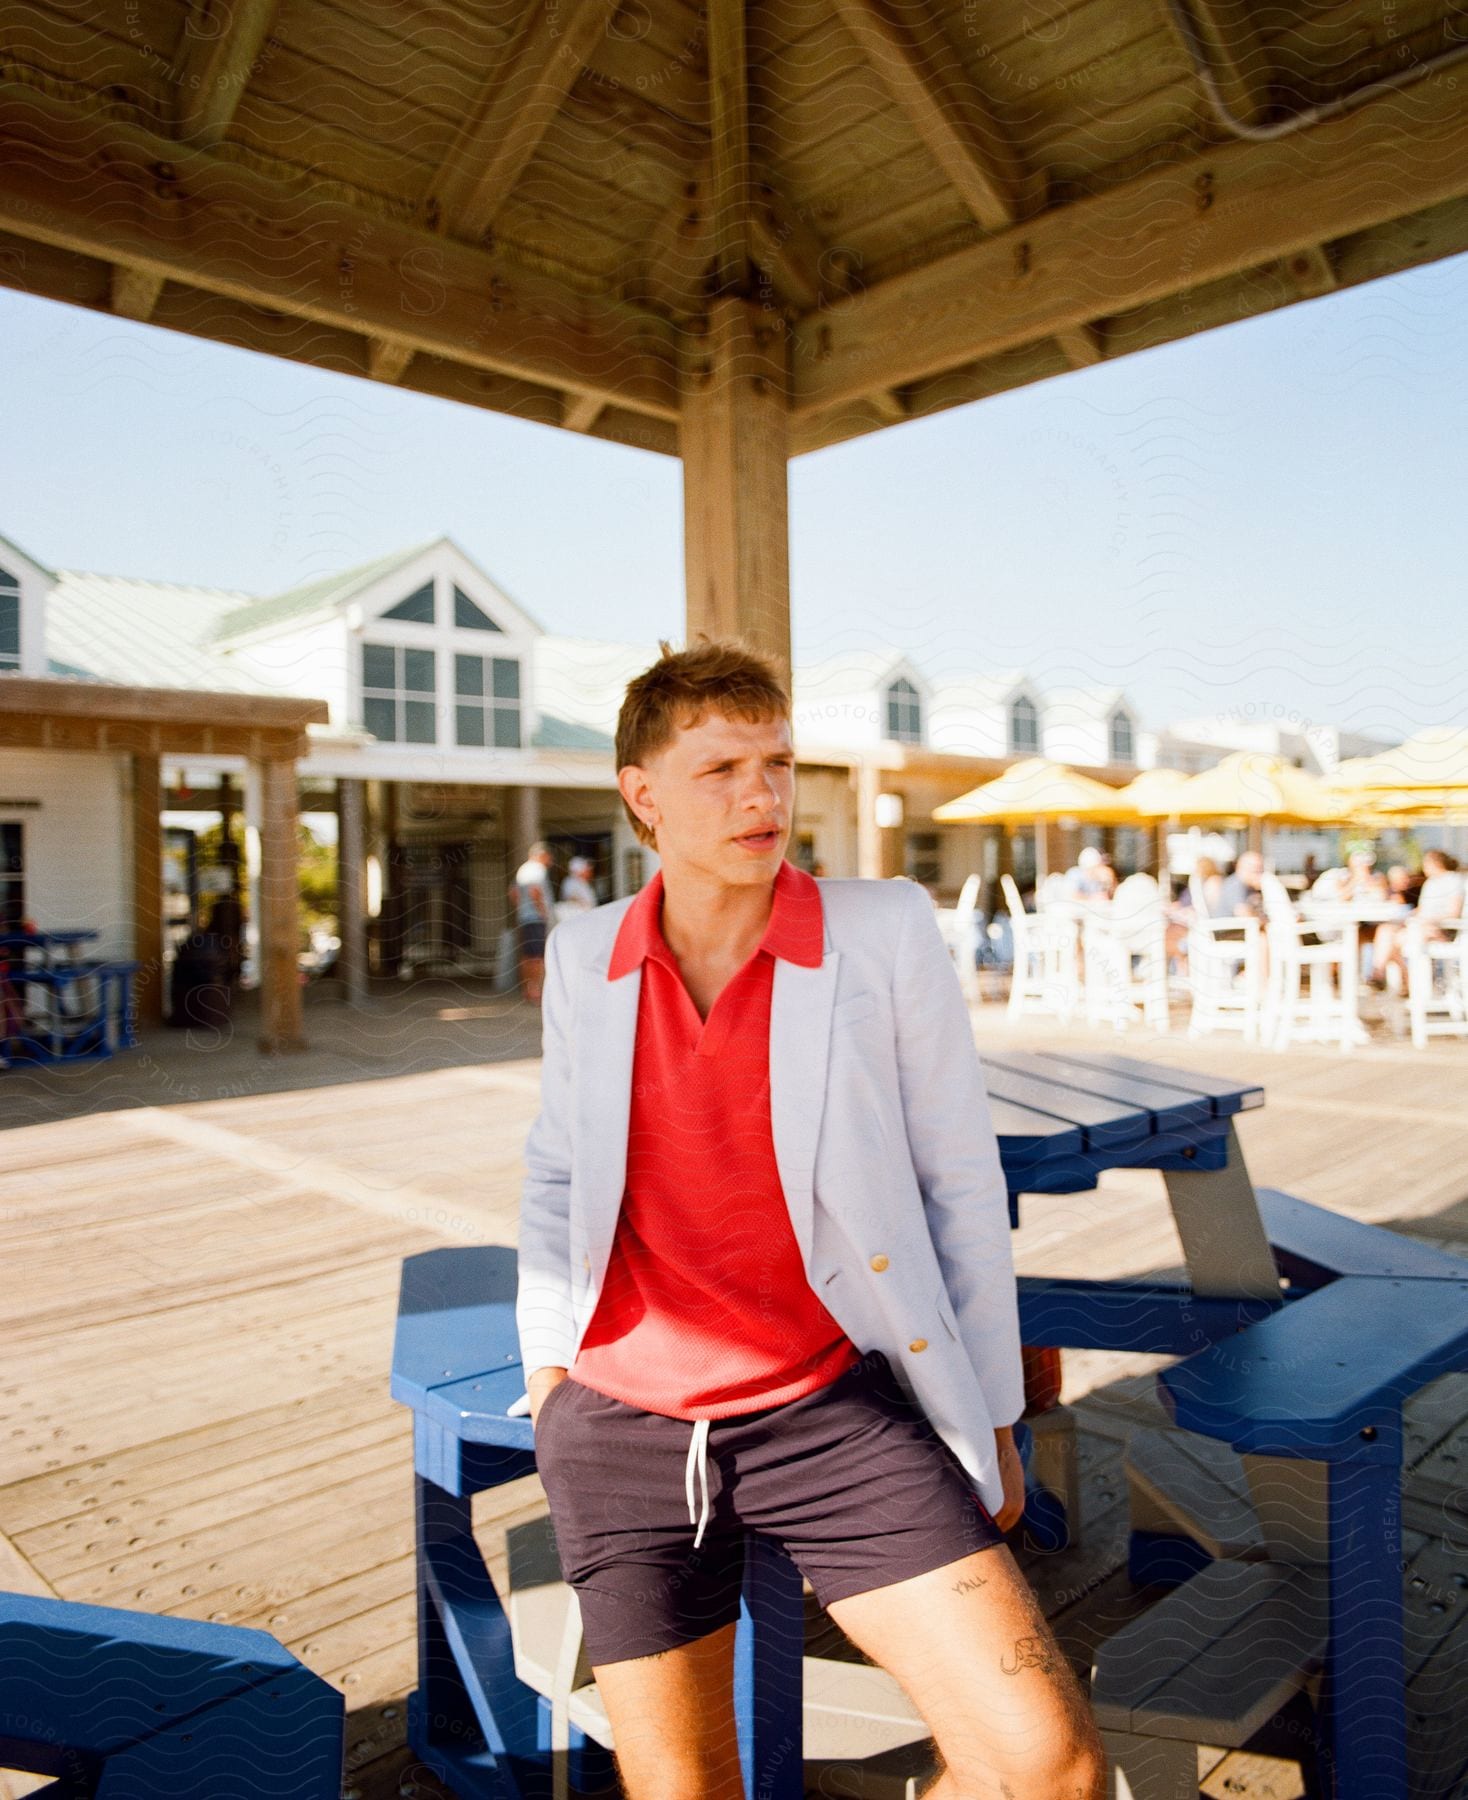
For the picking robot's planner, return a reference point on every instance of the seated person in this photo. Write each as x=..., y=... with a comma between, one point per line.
x=1088, y=880
x=1441, y=897
x=1241, y=895
x=1403, y=884
x=1363, y=880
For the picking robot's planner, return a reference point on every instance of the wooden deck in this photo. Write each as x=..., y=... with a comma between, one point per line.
x=202, y=1249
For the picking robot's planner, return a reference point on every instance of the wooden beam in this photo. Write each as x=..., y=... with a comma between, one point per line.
x=279, y=921
x=147, y=885
x=387, y=360
x=134, y=292
x=61, y=698
x=1163, y=234
x=1082, y=345
x=1235, y=54
x=515, y=111
x=88, y=180
x=1312, y=272
x=730, y=186
x=580, y=412
x=915, y=60
x=218, y=52
x=735, y=486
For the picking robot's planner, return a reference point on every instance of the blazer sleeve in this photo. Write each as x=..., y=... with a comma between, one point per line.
x=955, y=1155
x=543, y=1318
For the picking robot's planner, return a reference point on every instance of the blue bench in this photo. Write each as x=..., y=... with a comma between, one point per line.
x=135, y=1706
x=1312, y=1397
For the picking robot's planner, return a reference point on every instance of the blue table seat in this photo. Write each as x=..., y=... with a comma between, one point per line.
x=135, y=1706
x=1314, y=1245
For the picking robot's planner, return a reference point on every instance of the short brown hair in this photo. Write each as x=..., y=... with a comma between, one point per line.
x=676, y=691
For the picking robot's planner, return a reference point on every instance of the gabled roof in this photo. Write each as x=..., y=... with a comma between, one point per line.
x=9, y=547
x=847, y=671
x=142, y=633
x=312, y=597
x=1082, y=702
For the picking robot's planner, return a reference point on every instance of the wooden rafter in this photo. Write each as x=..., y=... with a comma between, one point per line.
x=1171, y=230
x=134, y=292
x=1312, y=271
x=490, y=153
x=387, y=360
x=730, y=184
x=914, y=59
x=222, y=40
x=580, y=412
x=84, y=179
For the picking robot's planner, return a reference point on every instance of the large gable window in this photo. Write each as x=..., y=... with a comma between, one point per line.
x=9, y=621
x=904, y=712
x=398, y=693
x=417, y=609
x=487, y=702
x=1024, y=727
x=469, y=615
x=1121, y=740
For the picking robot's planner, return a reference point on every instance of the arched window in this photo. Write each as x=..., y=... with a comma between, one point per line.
x=9, y=620
x=1024, y=727
x=1122, y=742
x=904, y=712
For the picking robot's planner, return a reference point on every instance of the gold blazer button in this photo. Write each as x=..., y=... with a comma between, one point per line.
x=918, y=1344
x=879, y=1261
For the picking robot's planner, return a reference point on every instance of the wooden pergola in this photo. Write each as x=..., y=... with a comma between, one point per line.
x=146, y=725
x=730, y=233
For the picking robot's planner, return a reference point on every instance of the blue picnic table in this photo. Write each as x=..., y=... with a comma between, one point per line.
x=1288, y=1345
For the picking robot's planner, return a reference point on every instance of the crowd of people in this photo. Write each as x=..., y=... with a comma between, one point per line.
x=1432, y=895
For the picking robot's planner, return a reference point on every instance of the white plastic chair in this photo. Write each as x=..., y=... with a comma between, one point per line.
x=1046, y=977
x=1225, y=976
x=1125, y=955
x=1437, y=981
x=960, y=926
x=1326, y=1015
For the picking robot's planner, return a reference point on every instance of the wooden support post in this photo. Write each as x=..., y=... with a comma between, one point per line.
x=280, y=987
x=351, y=908
x=147, y=836
x=734, y=443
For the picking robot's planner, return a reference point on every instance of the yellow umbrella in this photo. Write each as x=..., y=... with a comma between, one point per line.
x=1037, y=789
x=1435, y=760
x=1154, y=792
x=1251, y=785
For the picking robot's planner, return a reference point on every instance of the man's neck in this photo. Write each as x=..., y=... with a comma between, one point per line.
x=712, y=922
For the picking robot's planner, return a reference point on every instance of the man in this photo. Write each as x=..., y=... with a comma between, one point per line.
x=1241, y=894
x=577, y=889
x=530, y=895
x=765, y=1273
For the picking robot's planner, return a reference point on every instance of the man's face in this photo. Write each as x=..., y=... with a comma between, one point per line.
x=1250, y=868
x=715, y=784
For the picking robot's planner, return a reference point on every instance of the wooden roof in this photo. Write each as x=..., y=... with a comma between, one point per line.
x=529, y=207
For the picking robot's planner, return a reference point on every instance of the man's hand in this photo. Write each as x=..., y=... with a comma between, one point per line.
x=540, y=1384
x=1013, y=1472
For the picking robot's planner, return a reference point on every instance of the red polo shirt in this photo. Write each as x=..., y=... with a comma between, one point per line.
x=706, y=1309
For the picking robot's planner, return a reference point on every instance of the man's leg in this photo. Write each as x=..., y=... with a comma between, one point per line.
x=672, y=1718
x=975, y=1653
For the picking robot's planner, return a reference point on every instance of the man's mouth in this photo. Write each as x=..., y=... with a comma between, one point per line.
x=760, y=840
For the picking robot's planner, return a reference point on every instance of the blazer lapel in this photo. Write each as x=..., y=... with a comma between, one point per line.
x=606, y=1036
x=800, y=1034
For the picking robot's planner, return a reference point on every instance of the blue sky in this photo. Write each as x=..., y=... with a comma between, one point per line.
x=1266, y=521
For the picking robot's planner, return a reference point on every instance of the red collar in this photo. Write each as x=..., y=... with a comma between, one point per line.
x=796, y=928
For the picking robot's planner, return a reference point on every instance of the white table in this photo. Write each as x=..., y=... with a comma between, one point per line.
x=1347, y=917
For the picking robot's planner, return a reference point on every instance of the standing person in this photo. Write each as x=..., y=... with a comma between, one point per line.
x=764, y=1254
x=576, y=889
x=530, y=895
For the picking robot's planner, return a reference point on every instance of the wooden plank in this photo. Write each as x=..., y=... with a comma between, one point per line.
x=1104, y=1124
x=729, y=176
x=1171, y=1109
x=497, y=141
x=918, y=66
x=1183, y=224
x=222, y=44
x=225, y=227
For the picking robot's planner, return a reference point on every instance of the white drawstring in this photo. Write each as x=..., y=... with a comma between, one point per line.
x=698, y=1452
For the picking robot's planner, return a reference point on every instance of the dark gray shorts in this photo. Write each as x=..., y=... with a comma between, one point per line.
x=532, y=937
x=852, y=1481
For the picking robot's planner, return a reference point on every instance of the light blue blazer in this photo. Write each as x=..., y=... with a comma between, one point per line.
x=882, y=1136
